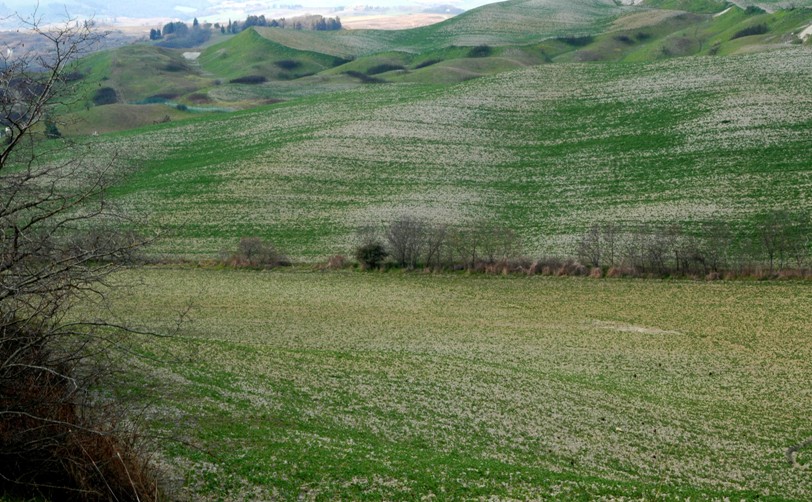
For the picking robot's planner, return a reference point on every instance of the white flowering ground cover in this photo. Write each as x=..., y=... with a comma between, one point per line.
x=546, y=150
x=413, y=386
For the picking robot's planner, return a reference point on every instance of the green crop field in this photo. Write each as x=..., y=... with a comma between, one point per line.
x=407, y=386
x=545, y=150
x=677, y=130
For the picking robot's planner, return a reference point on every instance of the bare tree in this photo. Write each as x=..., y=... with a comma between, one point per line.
x=57, y=247
x=406, y=238
x=717, y=245
x=435, y=240
x=590, y=246
x=774, y=237
x=610, y=238
x=498, y=242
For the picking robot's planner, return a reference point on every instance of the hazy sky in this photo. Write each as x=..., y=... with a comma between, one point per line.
x=214, y=10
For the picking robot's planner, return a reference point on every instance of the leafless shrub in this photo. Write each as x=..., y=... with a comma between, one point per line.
x=60, y=439
x=57, y=438
x=337, y=262
x=590, y=246
x=255, y=252
x=614, y=272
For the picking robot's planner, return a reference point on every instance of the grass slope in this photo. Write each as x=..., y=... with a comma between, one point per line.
x=513, y=22
x=545, y=150
x=394, y=387
x=288, y=64
x=249, y=54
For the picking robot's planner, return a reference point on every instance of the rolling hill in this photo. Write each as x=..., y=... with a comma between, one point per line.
x=545, y=150
x=267, y=65
x=571, y=113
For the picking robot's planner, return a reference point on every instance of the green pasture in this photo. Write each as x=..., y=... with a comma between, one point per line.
x=393, y=386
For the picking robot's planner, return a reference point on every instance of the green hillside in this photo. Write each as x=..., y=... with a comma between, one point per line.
x=249, y=54
x=269, y=65
x=515, y=22
x=668, y=139
x=503, y=23
x=545, y=150
x=571, y=113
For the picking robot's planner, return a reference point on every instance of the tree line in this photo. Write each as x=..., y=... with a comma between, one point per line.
x=309, y=22
x=178, y=30
x=780, y=242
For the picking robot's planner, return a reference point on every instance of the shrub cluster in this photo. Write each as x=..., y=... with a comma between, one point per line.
x=105, y=96
x=255, y=253
x=288, y=64
x=480, y=51
x=364, y=78
x=58, y=439
x=756, y=29
x=249, y=79
x=410, y=242
x=577, y=41
x=427, y=63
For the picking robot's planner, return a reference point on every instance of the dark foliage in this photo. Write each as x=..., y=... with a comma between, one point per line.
x=756, y=29
x=183, y=37
x=249, y=79
x=74, y=76
x=175, y=67
x=105, y=96
x=480, y=51
x=309, y=22
x=200, y=98
x=426, y=63
x=366, y=79
x=577, y=41
x=288, y=64
x=371, y=255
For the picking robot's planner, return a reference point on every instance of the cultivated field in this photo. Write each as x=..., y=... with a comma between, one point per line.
x=547, y=151
x=404, y=386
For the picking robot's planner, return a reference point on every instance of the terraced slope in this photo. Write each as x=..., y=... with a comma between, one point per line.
x=545, y=150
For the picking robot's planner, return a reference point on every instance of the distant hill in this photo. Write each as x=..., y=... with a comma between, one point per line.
x=263, y=65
